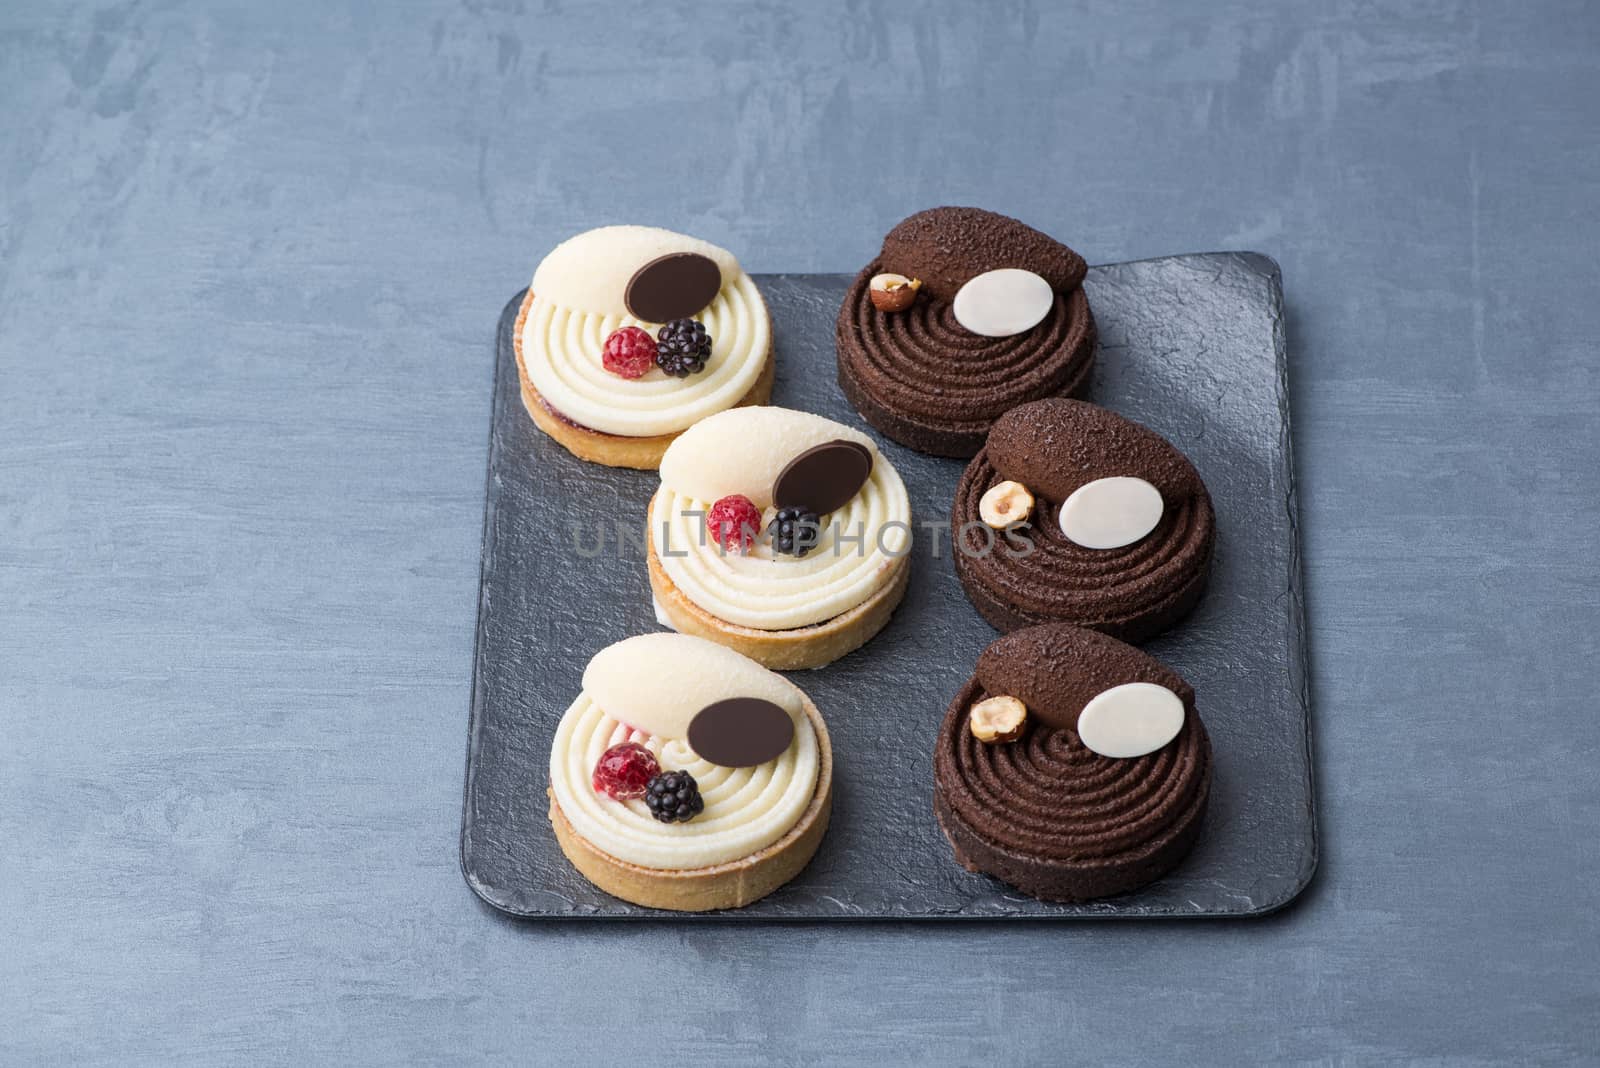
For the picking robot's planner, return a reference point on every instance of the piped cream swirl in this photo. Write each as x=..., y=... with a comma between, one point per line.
x=562, y=342
x=773, y=591
x=746, y=809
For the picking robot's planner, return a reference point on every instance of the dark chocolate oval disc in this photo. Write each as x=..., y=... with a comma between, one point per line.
x=824, y=477
x=865, y=452
x=741, y=732
x=678, y=285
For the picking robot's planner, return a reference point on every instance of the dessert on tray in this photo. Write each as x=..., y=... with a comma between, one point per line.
x=780, y=534
x=1073, y=513
x=630, y=334
x=963, y=315
x=1071, y=766
x=687, y=777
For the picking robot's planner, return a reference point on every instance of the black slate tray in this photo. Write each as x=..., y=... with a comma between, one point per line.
x=1192, y=346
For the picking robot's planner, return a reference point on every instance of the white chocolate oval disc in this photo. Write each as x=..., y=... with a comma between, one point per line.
x=1130, y=720
x=658, y=683
x=1004, y=302
x=1109, y=513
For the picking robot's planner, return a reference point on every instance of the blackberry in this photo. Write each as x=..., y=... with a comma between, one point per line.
x=673, y=797
x=682, y=347
x=795, y=531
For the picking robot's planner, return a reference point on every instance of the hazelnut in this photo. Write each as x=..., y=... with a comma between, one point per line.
x=1005, y=504
x=893, y=292
x=997, y=719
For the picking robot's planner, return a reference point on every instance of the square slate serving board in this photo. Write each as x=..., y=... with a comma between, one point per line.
x=1193, y=347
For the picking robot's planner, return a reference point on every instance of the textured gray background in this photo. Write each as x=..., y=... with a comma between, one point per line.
x=251, y=257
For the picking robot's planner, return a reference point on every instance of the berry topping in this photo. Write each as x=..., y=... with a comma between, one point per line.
x=795, y=531
x=683, y=347
x=733, y=522
x=629, y=352
x=624, y=771
x=673, y=797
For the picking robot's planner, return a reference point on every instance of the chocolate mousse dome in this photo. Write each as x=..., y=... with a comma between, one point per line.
x=1047, y=814
x=924, y=379
x=948, y=247
x=1055, y=447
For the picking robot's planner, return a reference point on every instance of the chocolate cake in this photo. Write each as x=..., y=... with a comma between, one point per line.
x=1047, y=814
x=1032, y=572
x=931, y=383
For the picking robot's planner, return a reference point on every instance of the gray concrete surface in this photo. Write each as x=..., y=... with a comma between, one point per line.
x=251, y=256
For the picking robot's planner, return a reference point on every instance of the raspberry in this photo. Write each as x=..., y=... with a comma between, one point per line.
x=629, y=352
x=623, y=771
x=733, y=522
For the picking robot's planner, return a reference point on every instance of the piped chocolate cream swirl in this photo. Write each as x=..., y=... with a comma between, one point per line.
x=1045, y=813
x=922, y=378
x=1054, y=447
